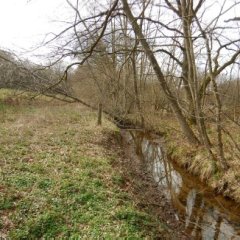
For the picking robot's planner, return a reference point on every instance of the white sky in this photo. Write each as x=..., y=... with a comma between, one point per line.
x=24, y=23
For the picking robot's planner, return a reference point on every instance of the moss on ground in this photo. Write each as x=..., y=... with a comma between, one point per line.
x=57, y=179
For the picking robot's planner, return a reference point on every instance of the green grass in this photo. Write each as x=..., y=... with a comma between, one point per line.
x=57, y=178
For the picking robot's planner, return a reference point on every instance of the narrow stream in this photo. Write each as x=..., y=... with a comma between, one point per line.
x=206, y=215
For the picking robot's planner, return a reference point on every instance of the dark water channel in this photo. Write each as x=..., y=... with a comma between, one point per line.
x=205, y=214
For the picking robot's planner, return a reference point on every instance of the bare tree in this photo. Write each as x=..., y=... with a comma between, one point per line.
x=126, y=47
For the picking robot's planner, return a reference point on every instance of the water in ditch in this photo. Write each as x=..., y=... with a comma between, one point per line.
x=205, y=214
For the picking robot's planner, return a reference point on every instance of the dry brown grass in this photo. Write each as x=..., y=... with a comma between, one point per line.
x=196, y=160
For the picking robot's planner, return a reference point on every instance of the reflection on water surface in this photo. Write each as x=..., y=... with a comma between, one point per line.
x=206, y=216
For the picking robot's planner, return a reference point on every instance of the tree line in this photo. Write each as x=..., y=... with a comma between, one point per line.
x=177, y=58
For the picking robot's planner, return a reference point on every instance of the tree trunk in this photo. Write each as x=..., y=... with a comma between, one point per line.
x=175, y=107
x=99, y=121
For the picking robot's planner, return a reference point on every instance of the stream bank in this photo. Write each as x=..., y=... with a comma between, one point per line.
x=195, y=158
x=192, y=207
x=139, y=183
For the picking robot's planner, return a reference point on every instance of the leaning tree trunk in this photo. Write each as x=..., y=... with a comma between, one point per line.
x=149, y=53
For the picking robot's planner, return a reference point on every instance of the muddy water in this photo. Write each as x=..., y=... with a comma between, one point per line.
x=205, y=215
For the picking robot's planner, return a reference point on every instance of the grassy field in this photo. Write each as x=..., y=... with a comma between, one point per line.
x=57, y=178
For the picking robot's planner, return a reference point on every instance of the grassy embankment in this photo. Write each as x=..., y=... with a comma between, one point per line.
x=196, y=159
x=57, y=177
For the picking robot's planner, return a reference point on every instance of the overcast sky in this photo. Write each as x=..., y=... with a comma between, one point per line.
x=24, y=23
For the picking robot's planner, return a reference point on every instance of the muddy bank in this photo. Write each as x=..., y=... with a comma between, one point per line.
x=138, y=181
x=182, y=199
